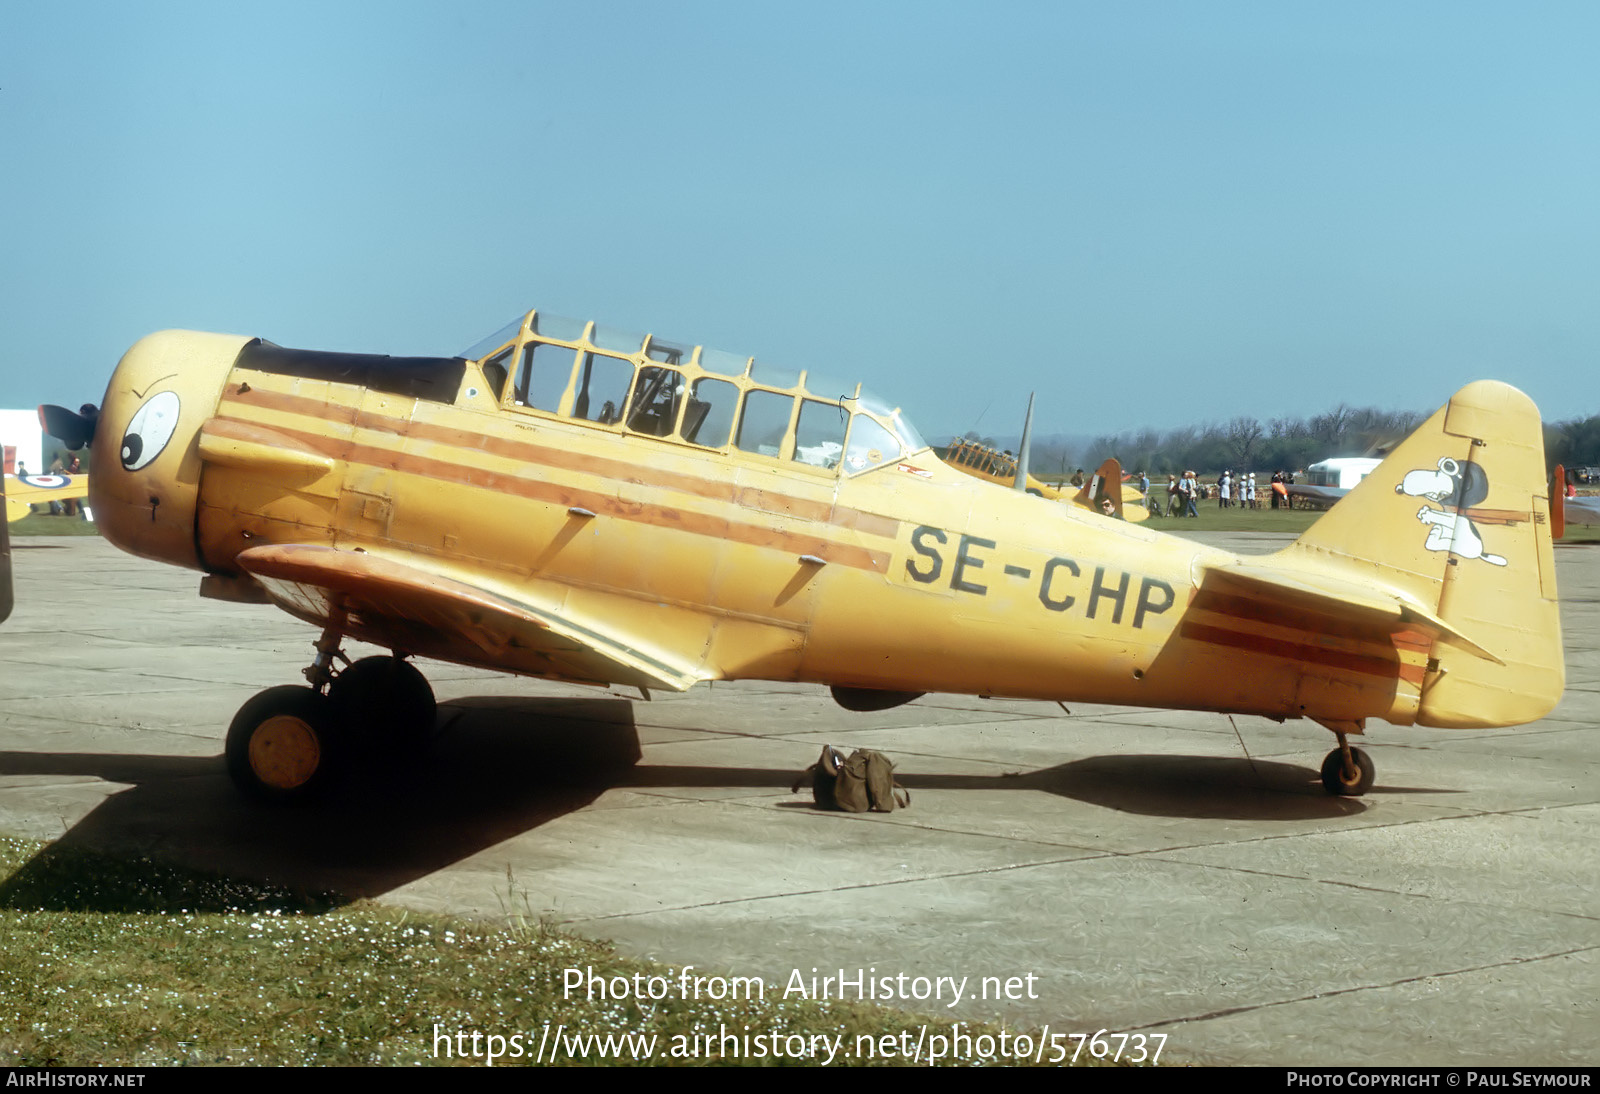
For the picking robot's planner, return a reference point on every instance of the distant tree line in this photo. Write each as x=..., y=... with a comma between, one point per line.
x=1248, y=444
x=1574, y=443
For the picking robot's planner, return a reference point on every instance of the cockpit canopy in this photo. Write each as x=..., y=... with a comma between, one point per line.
x=641, y=384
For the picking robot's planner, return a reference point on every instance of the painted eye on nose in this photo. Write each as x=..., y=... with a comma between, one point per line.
x=150, y=429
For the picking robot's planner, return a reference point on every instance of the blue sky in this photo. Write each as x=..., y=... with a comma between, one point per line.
x=1151, y=213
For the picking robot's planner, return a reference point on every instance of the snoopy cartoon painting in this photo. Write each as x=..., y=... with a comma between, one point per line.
x=1452, y=486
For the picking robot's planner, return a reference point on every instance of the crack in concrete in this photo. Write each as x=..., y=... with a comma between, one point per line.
x=1226, y=1012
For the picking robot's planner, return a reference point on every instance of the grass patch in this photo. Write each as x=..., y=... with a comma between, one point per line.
x=1213, y=519
x=109, y=961
x=43, y=524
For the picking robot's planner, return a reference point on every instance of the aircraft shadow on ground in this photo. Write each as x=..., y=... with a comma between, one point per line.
x=1193, y=787
x=505, y=766
x=500, y=767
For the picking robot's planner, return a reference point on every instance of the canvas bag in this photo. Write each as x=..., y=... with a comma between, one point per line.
x=862, y=783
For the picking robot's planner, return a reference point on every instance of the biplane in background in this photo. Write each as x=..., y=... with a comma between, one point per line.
x=1104, y=492
x=23, y=492
x=569, y=501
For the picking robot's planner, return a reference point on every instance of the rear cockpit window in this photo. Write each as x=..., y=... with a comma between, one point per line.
x=654, y=408
x=765, y=422
x=708, y=420
x=602, y=388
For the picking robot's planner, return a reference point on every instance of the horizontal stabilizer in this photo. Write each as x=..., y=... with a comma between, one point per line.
x=1342, y=599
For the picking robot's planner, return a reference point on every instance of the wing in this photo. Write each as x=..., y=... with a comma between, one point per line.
x=405, y=607
x=1133, y=504
x=24, y=491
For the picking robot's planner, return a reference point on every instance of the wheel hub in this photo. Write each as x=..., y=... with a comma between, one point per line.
x=285, y=752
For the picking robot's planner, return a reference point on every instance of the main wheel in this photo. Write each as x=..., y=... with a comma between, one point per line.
x=385, y=698
x=280, y=747
x=1339, y=783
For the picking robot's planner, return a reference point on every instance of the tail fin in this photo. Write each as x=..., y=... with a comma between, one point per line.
x=1102, y=493
x=1457, y=519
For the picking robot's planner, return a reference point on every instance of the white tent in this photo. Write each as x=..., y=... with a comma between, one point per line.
x=19, y=429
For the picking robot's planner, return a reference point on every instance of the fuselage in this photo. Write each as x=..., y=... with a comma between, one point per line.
x=834, y=548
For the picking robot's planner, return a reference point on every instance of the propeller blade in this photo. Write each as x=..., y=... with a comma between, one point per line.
x=72, y=429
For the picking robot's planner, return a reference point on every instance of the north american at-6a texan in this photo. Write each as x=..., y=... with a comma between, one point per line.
x=573, y=502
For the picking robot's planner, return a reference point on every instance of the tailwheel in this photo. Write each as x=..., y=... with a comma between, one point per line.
x=1348, y=778
x=281, y=746
x=387, y=699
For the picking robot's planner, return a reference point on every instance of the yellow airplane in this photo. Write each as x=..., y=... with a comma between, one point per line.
x=572, y=502
x=1103, y=493
x=23, y=492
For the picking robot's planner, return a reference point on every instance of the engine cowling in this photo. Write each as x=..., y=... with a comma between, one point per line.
x=145, y=465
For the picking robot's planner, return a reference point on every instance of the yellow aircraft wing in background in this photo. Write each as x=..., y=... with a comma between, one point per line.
x=983, y=462
x=25, y=491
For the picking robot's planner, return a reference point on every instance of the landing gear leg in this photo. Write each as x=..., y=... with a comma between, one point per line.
x=1347, y=771
x=320, y=672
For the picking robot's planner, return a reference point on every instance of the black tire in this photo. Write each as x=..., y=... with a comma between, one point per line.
x=1338, y=784
x=280, y=746
x=386, y=699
